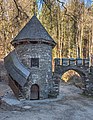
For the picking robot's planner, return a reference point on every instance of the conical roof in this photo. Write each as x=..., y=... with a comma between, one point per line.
x=33, y=31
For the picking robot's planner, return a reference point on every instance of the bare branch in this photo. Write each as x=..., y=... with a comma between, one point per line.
x=20, y=10
x=72, y=17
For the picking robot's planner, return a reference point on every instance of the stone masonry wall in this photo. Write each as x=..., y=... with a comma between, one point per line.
x=41, y=76
x=89, y=83
x=3, y=72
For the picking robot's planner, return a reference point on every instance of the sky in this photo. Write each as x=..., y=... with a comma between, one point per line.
x=87, y=3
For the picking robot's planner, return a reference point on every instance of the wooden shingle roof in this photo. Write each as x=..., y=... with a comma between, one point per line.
x=33, y=31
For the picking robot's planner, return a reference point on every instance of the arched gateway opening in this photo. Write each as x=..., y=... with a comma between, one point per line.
x=34, y=92
x=73, y=77
x=72, y=82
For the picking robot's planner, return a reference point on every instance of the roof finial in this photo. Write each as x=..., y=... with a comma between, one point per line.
x=34, y=8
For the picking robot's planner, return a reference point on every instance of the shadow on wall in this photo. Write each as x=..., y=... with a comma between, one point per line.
x=3, y=72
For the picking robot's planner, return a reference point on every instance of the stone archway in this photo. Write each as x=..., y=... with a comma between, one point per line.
x=72, y=77
x=34, y=92
x=83, y=71
x=59, y=70
x=82, y=75
x=69, y=75
x=73, y=86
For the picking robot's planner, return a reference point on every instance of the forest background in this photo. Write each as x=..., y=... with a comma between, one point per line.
x=69, y=22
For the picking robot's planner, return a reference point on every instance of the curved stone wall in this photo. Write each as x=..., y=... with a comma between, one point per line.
x=42, y=75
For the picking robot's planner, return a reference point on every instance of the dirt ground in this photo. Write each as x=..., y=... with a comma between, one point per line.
x=71, y=106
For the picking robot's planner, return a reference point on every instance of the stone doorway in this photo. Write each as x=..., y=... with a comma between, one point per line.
x=34, y=92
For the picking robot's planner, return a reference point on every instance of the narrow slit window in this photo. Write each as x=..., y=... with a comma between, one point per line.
x=34, y=62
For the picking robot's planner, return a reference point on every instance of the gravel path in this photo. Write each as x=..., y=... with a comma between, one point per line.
x=70, y=106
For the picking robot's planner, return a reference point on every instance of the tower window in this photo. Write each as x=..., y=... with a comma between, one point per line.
x=34, y=62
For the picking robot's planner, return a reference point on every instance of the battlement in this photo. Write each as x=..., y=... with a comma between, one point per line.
x=72, y=62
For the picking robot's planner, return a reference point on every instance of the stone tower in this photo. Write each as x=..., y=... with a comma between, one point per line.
x=29, y=65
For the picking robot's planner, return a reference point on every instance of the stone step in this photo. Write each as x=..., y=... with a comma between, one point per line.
x=21, y=96
x=56, y=87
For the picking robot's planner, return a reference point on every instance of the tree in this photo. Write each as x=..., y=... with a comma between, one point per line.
x=70, y=25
